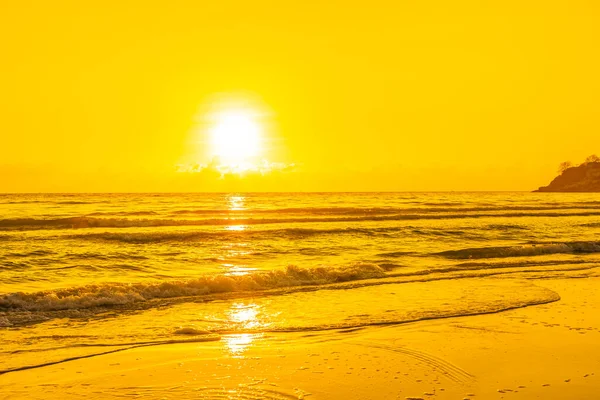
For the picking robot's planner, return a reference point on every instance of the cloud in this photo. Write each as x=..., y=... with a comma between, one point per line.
x=239, y=170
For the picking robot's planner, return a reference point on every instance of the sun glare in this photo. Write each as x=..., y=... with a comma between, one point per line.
x=236, y=137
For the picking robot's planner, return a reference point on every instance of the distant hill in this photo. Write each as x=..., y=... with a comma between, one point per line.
x=583, y=178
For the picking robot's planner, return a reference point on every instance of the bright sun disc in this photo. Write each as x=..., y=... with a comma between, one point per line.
x=235, y=137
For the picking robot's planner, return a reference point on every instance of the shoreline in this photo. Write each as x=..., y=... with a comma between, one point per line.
x=543, y=351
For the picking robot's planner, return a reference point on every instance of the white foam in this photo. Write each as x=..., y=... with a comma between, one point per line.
x=115, y=294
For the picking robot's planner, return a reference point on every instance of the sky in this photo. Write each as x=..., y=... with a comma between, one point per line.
x=127, y=96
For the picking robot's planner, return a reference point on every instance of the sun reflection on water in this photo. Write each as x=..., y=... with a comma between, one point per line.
x=237, y=344
x=235, y=250
x=235, y=228
x=244, y=316
x=236, y=203
x=236, y=270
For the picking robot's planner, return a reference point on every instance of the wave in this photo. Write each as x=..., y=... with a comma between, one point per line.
x=91, y=222
x=429, y=208
x=291, y=279
x=87, y=222
x=387, y=308
x=65, y=202
x=523, y=251
x=515, y=264
x=118, y=256
x=395, y=254
x=122, y=213
x=23, y=202
x=290, y=233
x=17, y=309
x=116, y=294
x=286, y=233
x=591, y=225
x=12, y=265
x=507, y=227
x=297, y=210
x=77, y=202
x=32, y=253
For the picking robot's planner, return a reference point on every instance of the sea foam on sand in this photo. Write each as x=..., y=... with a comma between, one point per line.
x=547, y=351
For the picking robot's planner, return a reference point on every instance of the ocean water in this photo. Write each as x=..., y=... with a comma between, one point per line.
x=83, y=274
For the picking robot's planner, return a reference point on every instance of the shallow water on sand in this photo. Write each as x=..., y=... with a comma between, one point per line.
x=100, y=271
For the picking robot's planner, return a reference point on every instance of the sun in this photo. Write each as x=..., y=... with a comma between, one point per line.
x=236, y=137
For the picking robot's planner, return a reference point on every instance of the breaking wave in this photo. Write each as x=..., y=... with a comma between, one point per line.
x=91, y=300
x=523, y=251
x=115, y=294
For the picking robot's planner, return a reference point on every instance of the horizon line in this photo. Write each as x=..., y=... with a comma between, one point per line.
x=282, y=192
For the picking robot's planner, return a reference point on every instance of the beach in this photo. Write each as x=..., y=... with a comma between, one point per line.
x=539, y=352
x=250, y=200
x=294, y=296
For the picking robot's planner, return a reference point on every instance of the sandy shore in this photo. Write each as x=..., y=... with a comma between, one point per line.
x=541, y=352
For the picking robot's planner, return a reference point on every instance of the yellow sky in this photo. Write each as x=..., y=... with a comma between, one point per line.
x=397, y=95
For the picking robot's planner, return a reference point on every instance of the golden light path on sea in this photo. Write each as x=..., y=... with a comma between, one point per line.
x=245, y=316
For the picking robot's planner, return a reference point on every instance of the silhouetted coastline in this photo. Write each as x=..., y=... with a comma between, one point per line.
x=582, y=178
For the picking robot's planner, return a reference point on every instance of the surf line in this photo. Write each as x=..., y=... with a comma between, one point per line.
x=26, y=367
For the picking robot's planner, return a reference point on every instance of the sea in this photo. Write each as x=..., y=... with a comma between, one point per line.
x=87, y=274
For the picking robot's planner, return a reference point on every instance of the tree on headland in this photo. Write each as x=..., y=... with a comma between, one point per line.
x=584, y=177
x=591, y=159
x=564, y=166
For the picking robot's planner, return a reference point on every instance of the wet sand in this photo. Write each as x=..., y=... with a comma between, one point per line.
x=546, y=351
